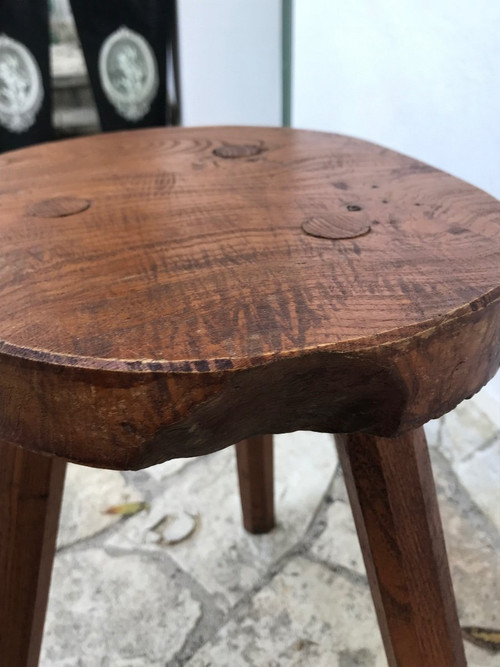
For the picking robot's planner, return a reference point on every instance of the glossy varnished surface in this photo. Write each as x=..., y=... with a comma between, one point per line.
x=184, y=256
x=169, y=292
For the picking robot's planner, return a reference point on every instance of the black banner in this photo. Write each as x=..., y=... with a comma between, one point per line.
x=25, y=93
x=125, y=43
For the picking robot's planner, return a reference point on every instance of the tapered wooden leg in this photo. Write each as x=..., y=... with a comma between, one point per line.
x=395, y=508
x=30, y=497
x=255, y=474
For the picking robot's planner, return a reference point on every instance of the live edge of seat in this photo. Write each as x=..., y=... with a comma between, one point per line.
x=132, y=419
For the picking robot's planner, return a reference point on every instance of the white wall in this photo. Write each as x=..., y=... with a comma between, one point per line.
x=230, y=54
x=419, y=76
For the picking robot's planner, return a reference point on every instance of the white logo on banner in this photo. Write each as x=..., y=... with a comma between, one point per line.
x=21, y=88
x=128, y=72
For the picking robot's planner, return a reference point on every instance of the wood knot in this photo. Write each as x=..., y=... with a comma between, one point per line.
x=234, y=151
x=340, y=226
x=59, y=207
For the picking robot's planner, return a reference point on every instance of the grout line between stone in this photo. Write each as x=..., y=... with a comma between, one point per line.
x=463, y=500
x=350, y=575
x=485, y=445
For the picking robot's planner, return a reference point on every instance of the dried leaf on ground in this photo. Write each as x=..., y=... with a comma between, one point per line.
x=127, y=509
x=486, y=638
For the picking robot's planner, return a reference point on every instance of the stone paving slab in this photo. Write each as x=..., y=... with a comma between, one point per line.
x=488, y=400
x=88, y=492
x=473, y=547
x=221, y=556
x=470, y=440
x=465, y=430
x=480, y=475
x=306, y=616
x=162, y=471
x=339, y=544
x=109, y=611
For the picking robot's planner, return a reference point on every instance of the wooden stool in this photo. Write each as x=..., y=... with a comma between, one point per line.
x=170, y=292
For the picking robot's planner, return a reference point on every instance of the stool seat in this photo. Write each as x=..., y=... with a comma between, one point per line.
x=167, y=292
x=170, y=292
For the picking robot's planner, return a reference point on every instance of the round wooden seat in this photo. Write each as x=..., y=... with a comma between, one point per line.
x=167, y=292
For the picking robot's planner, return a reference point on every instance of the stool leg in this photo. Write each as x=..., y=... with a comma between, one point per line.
x=30, y=497
x=255, y=474
x=393, y=498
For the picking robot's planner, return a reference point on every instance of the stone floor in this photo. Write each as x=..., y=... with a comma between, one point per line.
x=181, y=583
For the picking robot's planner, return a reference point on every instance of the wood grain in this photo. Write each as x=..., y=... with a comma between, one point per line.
x=256, y=479
x=237, y=151
x=154, y=323
x=336, y=226
x=31, y=488
x=59, y=207
x=395, y=509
